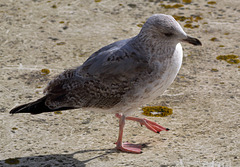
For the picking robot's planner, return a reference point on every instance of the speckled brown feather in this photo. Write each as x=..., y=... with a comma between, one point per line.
x=90, y=86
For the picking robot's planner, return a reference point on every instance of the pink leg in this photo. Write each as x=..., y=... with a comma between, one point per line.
x=149, y=124
x=126, y=147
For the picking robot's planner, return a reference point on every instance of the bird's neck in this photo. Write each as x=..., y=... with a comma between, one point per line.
x=154, y=46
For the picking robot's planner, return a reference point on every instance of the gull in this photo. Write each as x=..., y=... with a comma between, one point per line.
x=120, y=77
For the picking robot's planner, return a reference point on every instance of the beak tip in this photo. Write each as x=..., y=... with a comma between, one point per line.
x=198, y=42
x=193, y=41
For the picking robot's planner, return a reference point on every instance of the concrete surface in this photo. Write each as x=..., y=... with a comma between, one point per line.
x=58, y=35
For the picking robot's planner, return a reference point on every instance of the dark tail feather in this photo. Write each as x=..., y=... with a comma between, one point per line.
x=36, y=107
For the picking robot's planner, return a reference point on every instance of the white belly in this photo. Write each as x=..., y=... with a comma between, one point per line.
x=160, y=82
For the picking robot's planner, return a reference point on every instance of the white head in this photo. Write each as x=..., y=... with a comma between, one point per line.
x=166, y=29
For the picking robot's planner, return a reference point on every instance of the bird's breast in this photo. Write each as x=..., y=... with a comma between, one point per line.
x=164, y=73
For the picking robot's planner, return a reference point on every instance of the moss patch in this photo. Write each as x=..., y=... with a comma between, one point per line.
x=172, y=6
x=189, y=25
x=214, y=70
x=212, y=2
x=54, y=6
x=186, y=1
x=214, y=39
x=45, y=71
x=141, y=24
x=180, y=18
x=57, y=112
x=189, y=20
x=157, y=111
x=61, y=43
x=231, y=59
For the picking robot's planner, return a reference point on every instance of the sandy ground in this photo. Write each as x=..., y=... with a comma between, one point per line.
x=58, y=35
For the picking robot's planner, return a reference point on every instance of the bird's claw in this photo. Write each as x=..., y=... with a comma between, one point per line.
x=131, y=148
x=153, y=126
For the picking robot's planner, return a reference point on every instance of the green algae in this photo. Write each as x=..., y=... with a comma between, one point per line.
x=214, y=70
x=212, y=3
x=172, y=6
x=57, y=112
x=182, y=77
x=214, y=39
x=231, y=59
x=189, y=20
x=61, y=43
x=54, y=6
x=197, y=18
x=141, y=24
x=45, y=71
x=180, y=18
x=157, y=111
x=186, y=1
x=189, y=25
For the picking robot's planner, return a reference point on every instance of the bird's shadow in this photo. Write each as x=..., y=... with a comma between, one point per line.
x=55, y=159
x=58, y=159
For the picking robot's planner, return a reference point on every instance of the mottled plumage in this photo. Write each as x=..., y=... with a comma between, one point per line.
x=120, y=77
x=103, y=80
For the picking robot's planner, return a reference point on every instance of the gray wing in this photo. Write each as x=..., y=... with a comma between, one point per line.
x=121, y=64
x=103, y=80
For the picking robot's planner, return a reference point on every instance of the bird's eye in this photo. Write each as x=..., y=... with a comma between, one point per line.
x=168, y=34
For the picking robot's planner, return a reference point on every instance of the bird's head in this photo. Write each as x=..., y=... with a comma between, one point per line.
x=166, y=29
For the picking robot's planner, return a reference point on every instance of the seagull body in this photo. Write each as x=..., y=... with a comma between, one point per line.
x=120, y=77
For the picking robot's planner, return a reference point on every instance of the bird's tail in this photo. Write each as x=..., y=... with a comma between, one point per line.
x=36, y=107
